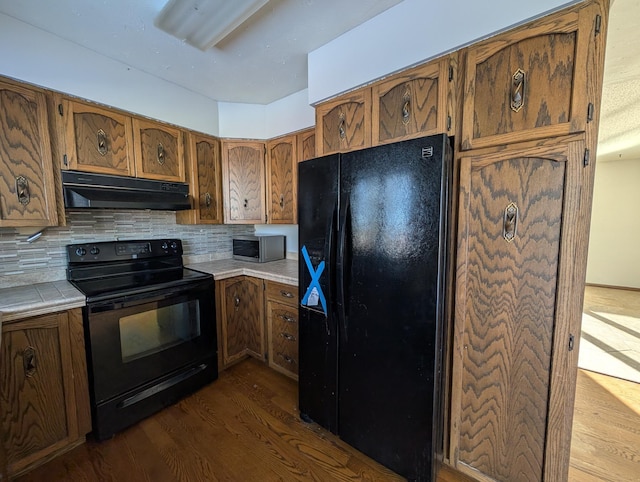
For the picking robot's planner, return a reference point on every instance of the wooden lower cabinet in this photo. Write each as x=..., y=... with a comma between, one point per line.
x=520, y=260
x=44, y=397
x=240, y=305
x=282, y=327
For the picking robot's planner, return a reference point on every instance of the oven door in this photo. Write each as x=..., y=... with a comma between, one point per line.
x=136, y=339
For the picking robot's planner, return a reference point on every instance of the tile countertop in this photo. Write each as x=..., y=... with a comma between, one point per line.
x=283, y=271
x=38, y=299
x=42, y=298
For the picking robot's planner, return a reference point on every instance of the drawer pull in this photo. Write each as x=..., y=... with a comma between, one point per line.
x=288, y=359
x=161, y=156
x=286, y=317
x=288, y=336
x=286, y=294
x=207, y=199
x=22, y=190
x=102, y=142
x=518, y=86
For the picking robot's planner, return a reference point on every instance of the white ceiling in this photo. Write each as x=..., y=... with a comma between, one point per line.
x=265, y=59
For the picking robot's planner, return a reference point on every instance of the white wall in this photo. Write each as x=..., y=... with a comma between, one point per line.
x=409, y=33
x=33, y=55
x=614, y=254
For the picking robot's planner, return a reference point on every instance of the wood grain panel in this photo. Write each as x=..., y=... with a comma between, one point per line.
x=83, y=122
x=505, y=310
x=209, y=198
x=282, y=293
x=159, y=151
x=344, y=123
x=253, y=297
x=283, y=338
x=306, y=144
x=551, y=53
x=25, y=153
x=282, y=173
x=243, y=173
x=80, y=377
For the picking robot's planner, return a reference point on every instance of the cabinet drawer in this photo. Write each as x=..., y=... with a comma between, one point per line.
x=283, y=338
x=282, y=293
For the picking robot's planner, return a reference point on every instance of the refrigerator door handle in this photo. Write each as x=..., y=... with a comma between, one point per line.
x=342, y=271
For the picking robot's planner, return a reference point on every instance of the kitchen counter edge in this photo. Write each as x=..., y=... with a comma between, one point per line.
x=282, y=271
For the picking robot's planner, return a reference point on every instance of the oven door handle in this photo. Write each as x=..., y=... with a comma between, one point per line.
x=137, y=299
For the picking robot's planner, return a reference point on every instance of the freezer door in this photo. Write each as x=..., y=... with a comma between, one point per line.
x=390, y=278
x=317, y=223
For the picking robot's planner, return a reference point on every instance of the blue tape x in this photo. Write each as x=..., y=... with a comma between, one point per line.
x=315, y=280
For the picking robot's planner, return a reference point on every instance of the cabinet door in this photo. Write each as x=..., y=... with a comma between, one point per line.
x=204, y=175
x=27, y=194
x=412, y=104
x=281, y=177
x=39, y=409
x=306, y=144
x=159, y=151
x=344, y=123
x=531, y=80
x=242, y=319
x=282, y=322
x=243, y=182
x=521, y=252
x=97, y=139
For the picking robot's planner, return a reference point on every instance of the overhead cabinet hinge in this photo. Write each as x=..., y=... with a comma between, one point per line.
x=598, y=26
x=448, y=122
x=450, y=73
x=585, y=160
x=65, y=161
x=590, y=109
x=60, y=109
x=571, y=342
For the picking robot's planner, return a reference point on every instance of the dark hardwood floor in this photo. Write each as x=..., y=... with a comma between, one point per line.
x=242, y=427
x=245, y=427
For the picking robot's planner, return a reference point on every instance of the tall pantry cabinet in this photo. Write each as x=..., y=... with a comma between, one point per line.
x=525, y=151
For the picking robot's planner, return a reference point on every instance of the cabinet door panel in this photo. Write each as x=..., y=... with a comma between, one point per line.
x=306, y=145
x=37, y=397
x=283, y=337
x=522, y=85
x=98, y=140
x=513, y=205
x=26, y=173
x=411, y=104
x=243, y=182
x=281, y=161
x=209, y=192
x=159, y=151
x=344, y=123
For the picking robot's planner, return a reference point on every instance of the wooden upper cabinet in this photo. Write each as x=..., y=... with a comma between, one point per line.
x=519, y=255
x=205, y=180
x=413, y=103
x=243, y=182
x=97, y=139
x=27, y=194
x=306, y=144
x=344, y=123
x=281, y=180
x=528, y=83
x=159, y=151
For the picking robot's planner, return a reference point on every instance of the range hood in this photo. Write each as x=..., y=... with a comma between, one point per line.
x=94, y=191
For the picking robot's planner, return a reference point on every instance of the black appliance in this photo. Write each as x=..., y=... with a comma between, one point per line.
x=83, y=190
x=373, y=240
x=150, y=328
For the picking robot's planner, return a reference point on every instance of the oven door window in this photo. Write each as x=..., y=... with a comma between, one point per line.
x=150, y=332
x=133, y=341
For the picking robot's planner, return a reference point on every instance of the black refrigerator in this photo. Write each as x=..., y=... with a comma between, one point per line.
x=373, y=255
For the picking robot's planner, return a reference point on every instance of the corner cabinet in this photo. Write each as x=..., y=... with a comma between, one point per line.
x=96, y=139
x=243, y=182
x=282, y=327
x=27, y=193
x=159, y=151
x=240, y=305
x=44, y=399
x=204, y=175
x=344, y=124
x=282, y=180
x=414, y=103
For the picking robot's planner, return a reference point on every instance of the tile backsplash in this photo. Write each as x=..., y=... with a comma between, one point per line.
x=45, y=259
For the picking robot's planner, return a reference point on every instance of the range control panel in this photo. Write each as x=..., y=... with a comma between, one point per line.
x=123, y=250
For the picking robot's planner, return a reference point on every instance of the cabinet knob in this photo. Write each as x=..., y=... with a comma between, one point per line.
x=517, y=90
x=29, y=361
x=406, y=108
x=207, y=199
x=341, y=128
x=161, y=156
x=22, y=190
x=286, y=294
x=102, y=146
x=236, y=301
x=246, y=203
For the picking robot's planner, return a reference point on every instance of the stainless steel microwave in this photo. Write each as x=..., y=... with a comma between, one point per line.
x=259, y=248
